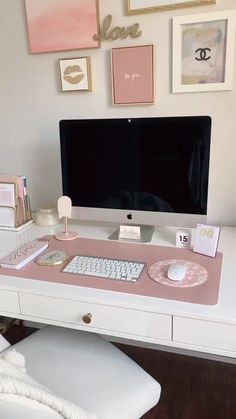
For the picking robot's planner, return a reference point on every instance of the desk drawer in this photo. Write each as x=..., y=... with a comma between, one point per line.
x=9, y=301
x=204, y=333
x=104, y=317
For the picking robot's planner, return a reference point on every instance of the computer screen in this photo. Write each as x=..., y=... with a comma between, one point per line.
x=151, y=171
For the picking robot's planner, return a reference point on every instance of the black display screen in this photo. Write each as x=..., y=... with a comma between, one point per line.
x=147, y=164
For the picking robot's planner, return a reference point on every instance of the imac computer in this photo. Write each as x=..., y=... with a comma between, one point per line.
x=138, y=171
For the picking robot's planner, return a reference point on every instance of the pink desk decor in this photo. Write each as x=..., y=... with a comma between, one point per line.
x=205, y=293
x=132, y=75
x=55, y=25
x=195, y=274
x=64, y=206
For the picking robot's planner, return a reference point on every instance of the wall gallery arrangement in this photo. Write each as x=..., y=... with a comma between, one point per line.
x=202, y=46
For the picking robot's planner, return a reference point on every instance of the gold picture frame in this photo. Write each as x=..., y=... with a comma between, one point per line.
x=75, y=74
x=148, y=6
x=133, y=75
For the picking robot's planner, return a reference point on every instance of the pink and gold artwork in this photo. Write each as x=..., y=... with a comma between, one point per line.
x=59, y=25
x=132, y=74
x=75, y=74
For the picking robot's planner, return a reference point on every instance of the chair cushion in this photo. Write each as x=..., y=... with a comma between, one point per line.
x=89, y=371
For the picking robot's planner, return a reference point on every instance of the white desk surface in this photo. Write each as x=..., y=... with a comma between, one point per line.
x=224, y=311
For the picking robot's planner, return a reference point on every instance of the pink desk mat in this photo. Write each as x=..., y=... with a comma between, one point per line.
x=206, y=293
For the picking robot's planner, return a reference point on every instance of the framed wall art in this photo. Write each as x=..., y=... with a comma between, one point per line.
x=59, y=25
x=75, y=74
x=148, y=6
x=203, y=52
x=132, y=75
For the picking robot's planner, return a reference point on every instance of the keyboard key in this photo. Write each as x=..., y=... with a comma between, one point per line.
x=95, y=273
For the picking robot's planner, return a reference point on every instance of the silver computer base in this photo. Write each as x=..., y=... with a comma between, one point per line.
x=145, y=236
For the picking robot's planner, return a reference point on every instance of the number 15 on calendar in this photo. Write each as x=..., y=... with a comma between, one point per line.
x=206, y=239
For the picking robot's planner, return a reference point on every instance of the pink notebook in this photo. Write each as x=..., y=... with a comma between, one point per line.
x=20, y=257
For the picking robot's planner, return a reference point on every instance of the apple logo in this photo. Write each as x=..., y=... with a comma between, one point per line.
x=129, y=216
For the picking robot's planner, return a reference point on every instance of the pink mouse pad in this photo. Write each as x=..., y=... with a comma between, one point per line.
x=195, y=273
x=204, y=293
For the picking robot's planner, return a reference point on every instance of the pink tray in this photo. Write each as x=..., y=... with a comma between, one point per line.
x=206, y=293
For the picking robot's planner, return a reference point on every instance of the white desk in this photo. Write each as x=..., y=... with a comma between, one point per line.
x=210, y=329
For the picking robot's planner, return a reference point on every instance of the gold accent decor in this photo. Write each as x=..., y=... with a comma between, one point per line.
x=75, y=74
x=118, y=32
x=71, y=74
x=160, y=8
x=87, y=318
x=52, y=258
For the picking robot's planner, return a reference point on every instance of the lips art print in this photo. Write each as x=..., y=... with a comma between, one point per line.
x=75, y=74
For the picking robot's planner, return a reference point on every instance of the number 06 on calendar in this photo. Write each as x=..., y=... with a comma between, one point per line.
x=206, y=239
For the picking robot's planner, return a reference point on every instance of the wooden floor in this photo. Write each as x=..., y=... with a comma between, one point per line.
x=192, y=388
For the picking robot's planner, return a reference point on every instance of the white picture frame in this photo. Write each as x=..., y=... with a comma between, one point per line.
x=148, y=6
x=75, y=74
x=203, y=52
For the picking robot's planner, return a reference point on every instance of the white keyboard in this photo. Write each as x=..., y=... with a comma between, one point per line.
x=105, y=268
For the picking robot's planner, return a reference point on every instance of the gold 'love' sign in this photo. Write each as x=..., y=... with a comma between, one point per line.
x=118, y=32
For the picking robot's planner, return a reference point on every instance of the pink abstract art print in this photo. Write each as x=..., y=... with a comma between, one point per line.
x=59, y=25
x=132, y=73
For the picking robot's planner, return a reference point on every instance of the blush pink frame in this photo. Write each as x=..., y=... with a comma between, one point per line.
x=133, y=75
x=60, y=25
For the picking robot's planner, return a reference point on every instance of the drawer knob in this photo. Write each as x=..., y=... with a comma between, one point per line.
x=87, y=318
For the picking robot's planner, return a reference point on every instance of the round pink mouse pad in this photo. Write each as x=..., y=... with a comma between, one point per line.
x=195, y=274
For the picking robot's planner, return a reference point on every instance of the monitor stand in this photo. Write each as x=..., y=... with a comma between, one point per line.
x=145, y=236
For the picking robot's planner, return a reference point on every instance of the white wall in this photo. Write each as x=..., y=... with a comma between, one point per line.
x=31, y=103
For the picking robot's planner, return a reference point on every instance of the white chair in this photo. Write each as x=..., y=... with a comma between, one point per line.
x=89, y=371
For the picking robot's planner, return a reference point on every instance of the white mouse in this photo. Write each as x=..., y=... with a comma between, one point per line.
x=176, y=271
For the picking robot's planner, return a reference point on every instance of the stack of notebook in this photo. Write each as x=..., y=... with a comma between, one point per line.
x=14, y=201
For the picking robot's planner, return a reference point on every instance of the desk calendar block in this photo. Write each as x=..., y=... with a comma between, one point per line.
x=183, y=238
x=206, y=239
